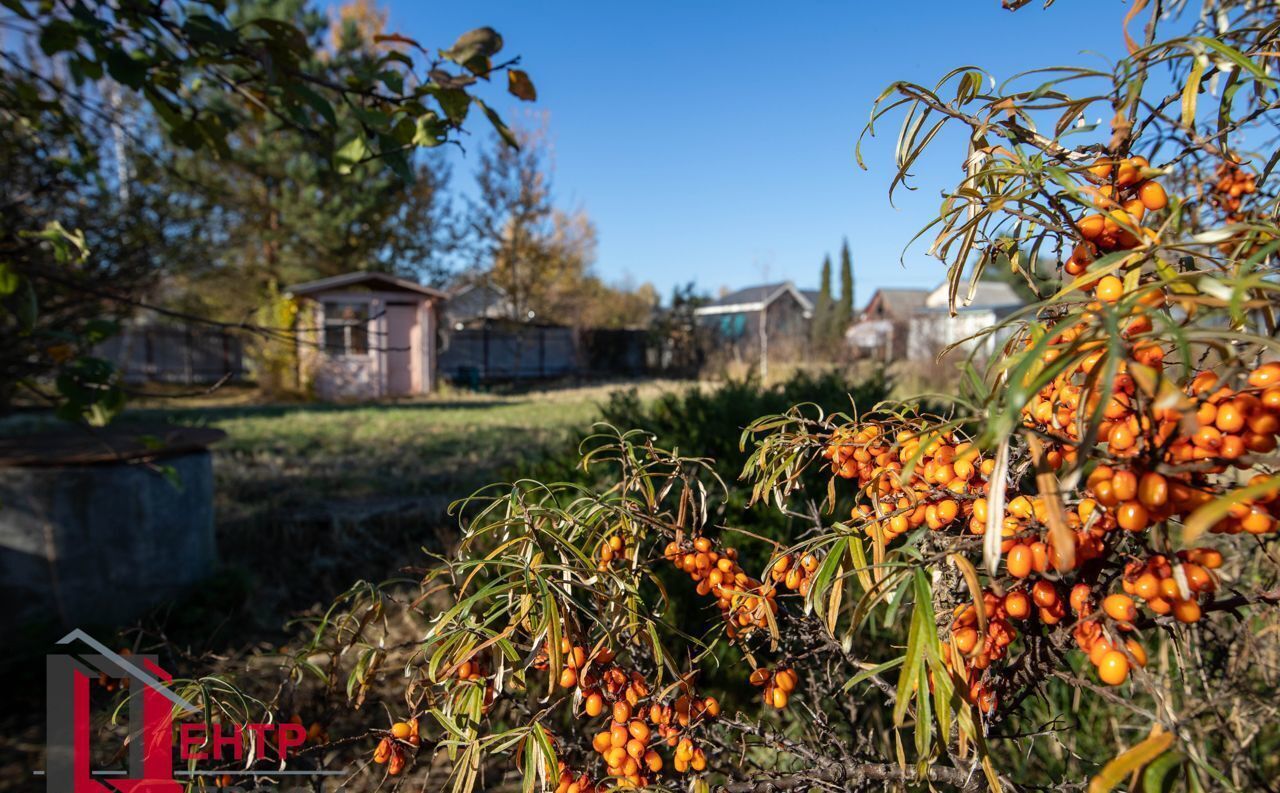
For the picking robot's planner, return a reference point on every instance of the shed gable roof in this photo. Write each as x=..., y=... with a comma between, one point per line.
x=361, y=278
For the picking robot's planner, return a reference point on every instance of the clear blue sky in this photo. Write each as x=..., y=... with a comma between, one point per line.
x=710, y=141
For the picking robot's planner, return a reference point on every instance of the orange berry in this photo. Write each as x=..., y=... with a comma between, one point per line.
x=1187, y=611
x=1265, y=376
x=635, y=749
x=1017, y=605
x=615, y=757
x=1229, y=418
x=1147, y=586
x=621, y=712
x=1132, y=516
x=1138, y=652
x=1120, y=439
x=638, y=730
x=1091, y=226
x=1109, y=289
x=1100, y=647
x=1080, y=599
x=1114, y=668
x=1119, y=607
x=1124, y=484
x=786, y=679
x=618, y=736
x=1153, y=490
x=1044, y=594
x=1019, y=561
x=1209, y=557
x=1127, y=174
x=601, y=742
x=1039, y=556
x=1153, y=195
x=400, y=730
x=779, y=698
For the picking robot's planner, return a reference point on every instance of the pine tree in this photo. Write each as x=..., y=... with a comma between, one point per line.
x=844, y=311
x=824, y=311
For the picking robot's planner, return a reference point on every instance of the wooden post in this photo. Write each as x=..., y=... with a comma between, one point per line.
x=188, y=361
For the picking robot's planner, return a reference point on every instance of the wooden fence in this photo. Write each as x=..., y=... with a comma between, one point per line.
x=498, y=352
x=184, y=354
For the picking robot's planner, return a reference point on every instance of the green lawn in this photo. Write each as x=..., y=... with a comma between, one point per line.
x=282, y=462
x=312, y=497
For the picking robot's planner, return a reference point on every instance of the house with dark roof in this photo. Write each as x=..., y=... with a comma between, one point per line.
x=777, y=315
x=367, y=335
x=472, y=302
x=881, y=329
x=917, y=324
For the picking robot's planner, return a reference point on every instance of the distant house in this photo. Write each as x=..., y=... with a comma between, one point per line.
x=933, y=328
x=474, y=301
x=882, y=329
x=367, y=335
x=772, y=314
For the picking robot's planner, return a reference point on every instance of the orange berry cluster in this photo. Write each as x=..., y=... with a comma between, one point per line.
x=1155, y=582
x=977, y=652
x=568, y=782
x=1228, y=192
x=474, y=670
x=1157, y=465
x=776, y=686
x=628, y=744
x=1124, y=199
x=1229, y=425
x=392, y=748
x=574, y=664
x=795, y=574
x=316, y=732
x=946, y=473
x=1026, y=552
x=744, y=602
x=614, y=548
x=1110, y=662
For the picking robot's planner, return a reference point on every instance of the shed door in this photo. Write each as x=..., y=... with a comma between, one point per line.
x=402, y=319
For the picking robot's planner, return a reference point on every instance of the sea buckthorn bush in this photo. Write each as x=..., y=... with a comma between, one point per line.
x=1061, y=576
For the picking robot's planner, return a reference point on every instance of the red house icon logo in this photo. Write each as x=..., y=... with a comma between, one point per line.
x=151, y=709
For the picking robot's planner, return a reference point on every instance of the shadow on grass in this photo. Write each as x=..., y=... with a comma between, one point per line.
x=213, y=414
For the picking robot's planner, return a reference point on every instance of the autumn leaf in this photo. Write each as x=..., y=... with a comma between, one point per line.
x=520, y=86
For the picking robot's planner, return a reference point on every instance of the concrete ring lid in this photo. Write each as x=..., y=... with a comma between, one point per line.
x=82, y=445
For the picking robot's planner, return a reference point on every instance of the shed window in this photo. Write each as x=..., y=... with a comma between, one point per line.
x=346, y=328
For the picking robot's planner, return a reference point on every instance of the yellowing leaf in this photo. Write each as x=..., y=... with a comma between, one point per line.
x=1115, y=771
x=1209, y=514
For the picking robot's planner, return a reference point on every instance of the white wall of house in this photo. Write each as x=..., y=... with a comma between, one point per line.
x=932, y=331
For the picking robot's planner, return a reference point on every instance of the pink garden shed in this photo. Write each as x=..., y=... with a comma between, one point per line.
x=367, y=335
